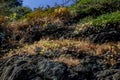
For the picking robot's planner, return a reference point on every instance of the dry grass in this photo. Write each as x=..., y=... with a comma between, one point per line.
x=66, y=46
x=69, y=61
x=17, y=25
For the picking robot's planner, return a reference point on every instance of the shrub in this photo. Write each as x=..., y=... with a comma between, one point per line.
x=106, y=19
x=3, y=20
x=62, y=13
x=94, y=8
x=13, y=17
x=39, y=16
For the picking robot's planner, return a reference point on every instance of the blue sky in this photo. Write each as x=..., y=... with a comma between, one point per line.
x=36, y=3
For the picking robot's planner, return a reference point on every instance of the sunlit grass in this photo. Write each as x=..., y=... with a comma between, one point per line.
x=106, y=18
x=67, y=45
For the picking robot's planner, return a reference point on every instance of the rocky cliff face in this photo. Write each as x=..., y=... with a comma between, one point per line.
x=41, y=68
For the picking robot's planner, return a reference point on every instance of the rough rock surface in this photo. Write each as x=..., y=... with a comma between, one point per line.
x=102, y=37
x=34, y=33
x=32, y=68
x=40, y=68
x=2, y=39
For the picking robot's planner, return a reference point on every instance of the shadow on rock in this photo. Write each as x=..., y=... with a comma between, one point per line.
x=40, y=68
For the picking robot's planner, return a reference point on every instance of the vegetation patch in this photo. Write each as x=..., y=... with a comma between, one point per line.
x=104, y=19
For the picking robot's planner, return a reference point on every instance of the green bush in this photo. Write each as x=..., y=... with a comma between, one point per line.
x=95, y=8
x=106, y=19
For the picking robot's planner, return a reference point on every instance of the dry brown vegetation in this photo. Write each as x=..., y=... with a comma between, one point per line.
x=68, y=60
x=67, y=45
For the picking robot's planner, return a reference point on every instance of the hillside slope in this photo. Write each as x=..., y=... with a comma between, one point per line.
x=77, y=42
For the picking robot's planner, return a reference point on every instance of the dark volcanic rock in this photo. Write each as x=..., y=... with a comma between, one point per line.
x=3, y=43
x=53, y=31
x=88, y=68
x=31, y=68
x=110, y=74
x=40, y=68
x=103, y=37
x=96, y=35
x=2, y=40
x=88, y=31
